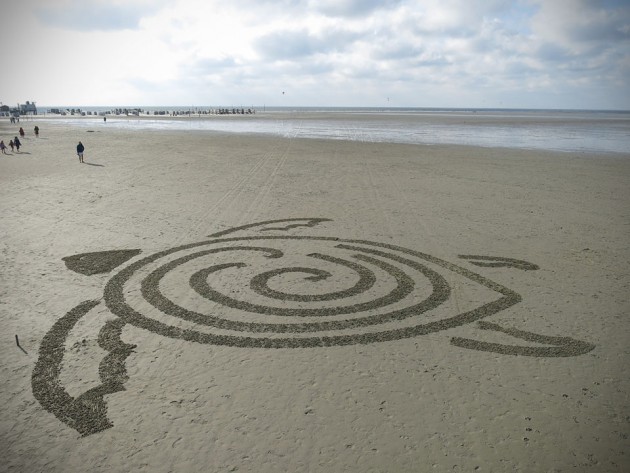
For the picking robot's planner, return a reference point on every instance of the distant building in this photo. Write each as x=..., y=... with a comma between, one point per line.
x=5, y=111
x=28, y=108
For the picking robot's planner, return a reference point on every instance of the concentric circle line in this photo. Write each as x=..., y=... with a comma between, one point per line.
x=115, y=301
x=404, y=286
x=259, y=283
x=152, y=280
x=165, y=305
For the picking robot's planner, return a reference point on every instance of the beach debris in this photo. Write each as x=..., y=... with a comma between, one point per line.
x=17, y=342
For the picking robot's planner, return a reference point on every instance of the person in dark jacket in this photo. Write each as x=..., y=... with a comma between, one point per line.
x=80, y=149
x=17, y=143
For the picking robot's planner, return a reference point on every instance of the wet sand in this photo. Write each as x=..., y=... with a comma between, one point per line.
x=358, y=327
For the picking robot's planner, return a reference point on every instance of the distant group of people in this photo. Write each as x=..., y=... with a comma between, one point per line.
x=15, y=143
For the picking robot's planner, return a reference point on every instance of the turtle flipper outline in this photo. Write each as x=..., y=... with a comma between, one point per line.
x=99, y=261
x=558, y=346
x=87, y=413
x=499, y=262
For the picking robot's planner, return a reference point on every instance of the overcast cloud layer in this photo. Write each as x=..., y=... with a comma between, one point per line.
x=430, y=53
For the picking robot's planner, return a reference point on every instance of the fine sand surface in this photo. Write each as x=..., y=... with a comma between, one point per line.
x=466, y=380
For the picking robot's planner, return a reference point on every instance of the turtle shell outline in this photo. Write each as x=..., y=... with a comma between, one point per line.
x=115, y=301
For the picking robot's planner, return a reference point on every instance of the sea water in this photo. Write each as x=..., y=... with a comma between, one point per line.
x=555, y=130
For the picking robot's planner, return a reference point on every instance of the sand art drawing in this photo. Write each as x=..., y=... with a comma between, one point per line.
x=266, y=285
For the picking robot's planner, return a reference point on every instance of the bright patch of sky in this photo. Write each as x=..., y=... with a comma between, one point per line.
x=424, y=53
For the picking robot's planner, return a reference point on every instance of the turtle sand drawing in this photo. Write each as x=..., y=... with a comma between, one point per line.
x=268, y=285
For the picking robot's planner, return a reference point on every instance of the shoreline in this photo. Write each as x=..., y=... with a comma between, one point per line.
x=580, y=134
x=83, y=127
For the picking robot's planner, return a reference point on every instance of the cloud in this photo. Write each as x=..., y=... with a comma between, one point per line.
x=290, y=44
x=551, y=52
x=213, y=66
x=428, y=52
x=351, y=8
x=583, y=42
x=396, y=51
x=576, y=22
x=453, y=18
x=101, y=15
x=287, y=45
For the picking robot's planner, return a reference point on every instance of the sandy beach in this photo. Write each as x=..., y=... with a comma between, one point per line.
x=307, y=305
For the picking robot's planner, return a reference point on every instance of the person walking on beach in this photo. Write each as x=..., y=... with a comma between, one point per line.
x=22, y=132
x=80, y=149
x=3, y=147
x=11, y=144
x=17, y=143
x=36, y=130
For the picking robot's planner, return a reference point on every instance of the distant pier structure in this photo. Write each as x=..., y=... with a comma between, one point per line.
x=27, y=108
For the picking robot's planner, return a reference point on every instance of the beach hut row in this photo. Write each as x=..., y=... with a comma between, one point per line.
x=139, y=112
x=212, y=111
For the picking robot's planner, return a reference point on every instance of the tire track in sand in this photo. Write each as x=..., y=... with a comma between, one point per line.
x=262, y=197
x=265, y=169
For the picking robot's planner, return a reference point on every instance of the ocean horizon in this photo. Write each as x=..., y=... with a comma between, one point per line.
x=597, y=131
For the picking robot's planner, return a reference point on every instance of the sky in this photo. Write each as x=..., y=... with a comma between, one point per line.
x=563, y=54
